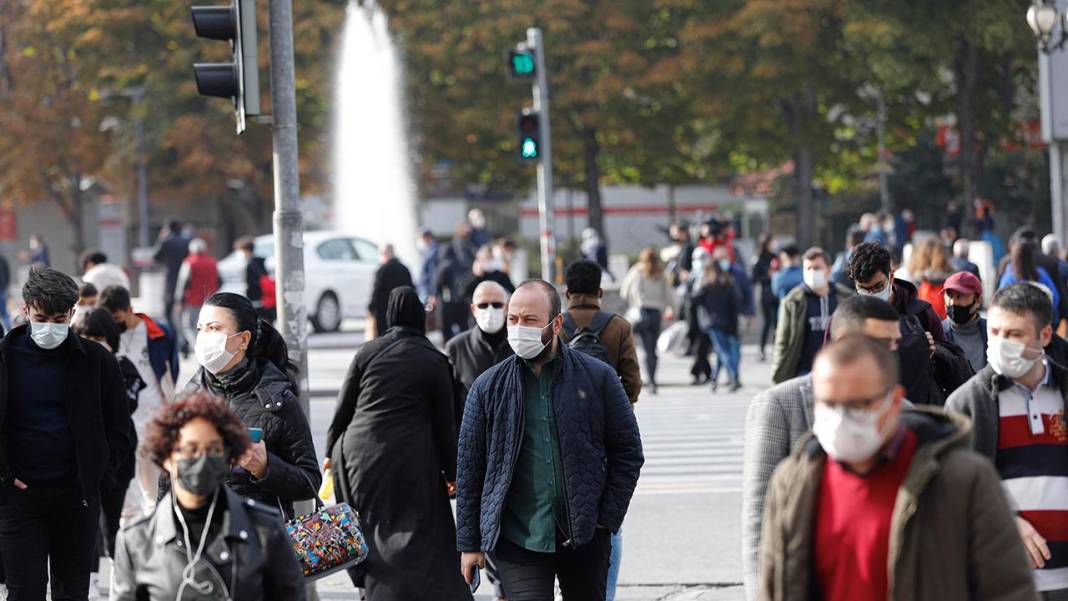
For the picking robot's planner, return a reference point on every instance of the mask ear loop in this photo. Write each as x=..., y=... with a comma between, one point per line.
x=189, y=571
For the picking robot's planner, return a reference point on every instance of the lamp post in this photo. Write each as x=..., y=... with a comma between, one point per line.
x=1048, y=19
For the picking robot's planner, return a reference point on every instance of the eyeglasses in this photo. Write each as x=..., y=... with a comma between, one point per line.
x=193, y=451
x=857, y=405
x=495, y=305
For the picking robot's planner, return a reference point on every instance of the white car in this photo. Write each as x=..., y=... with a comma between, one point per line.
x=339, y=272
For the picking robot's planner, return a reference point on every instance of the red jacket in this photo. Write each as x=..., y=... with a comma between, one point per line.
x=203, y=279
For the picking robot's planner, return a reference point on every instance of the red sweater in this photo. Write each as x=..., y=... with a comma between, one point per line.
x=853, y=526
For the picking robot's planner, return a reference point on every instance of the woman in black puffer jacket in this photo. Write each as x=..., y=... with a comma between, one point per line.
x=245, y=361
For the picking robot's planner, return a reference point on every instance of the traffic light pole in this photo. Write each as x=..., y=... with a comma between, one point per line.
x=547, y=220
x=288, y=220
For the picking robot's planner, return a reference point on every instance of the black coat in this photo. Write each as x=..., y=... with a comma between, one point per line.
x=171, y=252
x=393, y=444
x=97, y=410
x=718, y=307
x=262, y=397
x=392, y=274
x=471, y=354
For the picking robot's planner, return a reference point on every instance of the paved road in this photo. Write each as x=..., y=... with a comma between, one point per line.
x=682, y=535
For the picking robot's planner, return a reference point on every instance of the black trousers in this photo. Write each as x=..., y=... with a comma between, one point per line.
x=111, y=502
x=529, y=576
x=769, y=311
x=48, y=529
x=648, y=331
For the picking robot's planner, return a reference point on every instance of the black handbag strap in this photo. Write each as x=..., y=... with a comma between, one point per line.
x=319, y=505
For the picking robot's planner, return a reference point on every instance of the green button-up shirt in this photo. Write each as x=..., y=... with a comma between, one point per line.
x=536, y=502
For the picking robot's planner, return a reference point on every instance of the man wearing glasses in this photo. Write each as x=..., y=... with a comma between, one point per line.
x=781, y=415
x=878, y=503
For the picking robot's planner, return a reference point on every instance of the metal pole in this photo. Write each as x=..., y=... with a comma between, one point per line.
x=884, y=166
x=547, y=220
x=142, y=184
x=1057, y=187
x=288, y=220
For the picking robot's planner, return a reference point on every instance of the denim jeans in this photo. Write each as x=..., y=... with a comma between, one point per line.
x=728, y=351
x=613, y=565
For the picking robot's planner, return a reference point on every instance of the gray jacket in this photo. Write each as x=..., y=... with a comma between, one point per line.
x=251, y=559
x=777, y=419
x=978, y=400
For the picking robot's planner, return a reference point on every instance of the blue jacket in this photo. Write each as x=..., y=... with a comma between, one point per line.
x=162, y=349
x=600, y=448
x=745, y=289
x=786, y=280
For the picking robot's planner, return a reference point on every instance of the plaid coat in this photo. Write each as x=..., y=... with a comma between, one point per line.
x=777, y=419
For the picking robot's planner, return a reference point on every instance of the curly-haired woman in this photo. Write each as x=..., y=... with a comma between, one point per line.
x=203, y=540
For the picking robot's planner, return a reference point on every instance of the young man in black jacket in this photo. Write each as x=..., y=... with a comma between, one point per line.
x=64, y=431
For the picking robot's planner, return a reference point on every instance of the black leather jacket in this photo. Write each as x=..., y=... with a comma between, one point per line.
x=250, y=559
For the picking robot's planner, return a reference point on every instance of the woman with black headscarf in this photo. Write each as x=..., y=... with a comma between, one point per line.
x=392, y=448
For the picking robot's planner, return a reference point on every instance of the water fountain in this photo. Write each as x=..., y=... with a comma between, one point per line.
x=374, y=193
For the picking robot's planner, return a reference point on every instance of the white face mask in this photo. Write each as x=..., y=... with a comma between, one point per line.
x=883, y=294
x=489, y=320
x=1006, y=357
x=848, y=435
x=48, y=335
x=526, y=341
x=815, y=279
x=210, y=349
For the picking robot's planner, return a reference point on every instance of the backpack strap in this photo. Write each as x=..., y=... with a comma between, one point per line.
x=570, y=327
x=600, y=322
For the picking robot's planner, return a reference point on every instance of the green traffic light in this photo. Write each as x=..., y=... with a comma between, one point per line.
x=529, y=148
x=522, y=63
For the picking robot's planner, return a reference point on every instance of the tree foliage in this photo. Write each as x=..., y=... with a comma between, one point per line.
x=643, y=92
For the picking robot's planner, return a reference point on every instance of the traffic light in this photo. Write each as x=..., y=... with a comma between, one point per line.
x=528, y=123
x=239, y=79
x=521, y=63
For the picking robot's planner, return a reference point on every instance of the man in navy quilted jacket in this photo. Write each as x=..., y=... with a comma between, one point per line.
x=549, y=456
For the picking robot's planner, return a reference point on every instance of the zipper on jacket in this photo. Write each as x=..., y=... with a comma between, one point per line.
x=515, y=459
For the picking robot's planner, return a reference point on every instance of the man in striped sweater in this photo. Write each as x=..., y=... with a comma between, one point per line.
x=1017, y=404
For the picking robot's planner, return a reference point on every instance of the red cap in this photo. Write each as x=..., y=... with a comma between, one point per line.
x=964, y=283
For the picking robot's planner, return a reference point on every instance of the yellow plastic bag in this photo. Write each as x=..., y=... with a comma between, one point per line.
x=326, y=491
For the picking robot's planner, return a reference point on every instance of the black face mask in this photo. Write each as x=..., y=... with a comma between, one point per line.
x=202, y=475
x=121, y=325
x=960, y=314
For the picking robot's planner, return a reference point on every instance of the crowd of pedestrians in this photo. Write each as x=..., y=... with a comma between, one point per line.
x=912, y=447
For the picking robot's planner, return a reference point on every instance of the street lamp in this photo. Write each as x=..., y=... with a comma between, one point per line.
x=1042, y=17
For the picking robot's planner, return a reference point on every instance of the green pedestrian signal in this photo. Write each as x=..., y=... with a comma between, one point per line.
x=528, y=123
x=521, y=63
x=529, y=149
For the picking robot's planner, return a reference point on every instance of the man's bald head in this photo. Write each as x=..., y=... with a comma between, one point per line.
x=489, y=292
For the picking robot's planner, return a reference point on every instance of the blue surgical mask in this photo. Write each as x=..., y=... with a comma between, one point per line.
x=48, y=335
x=725, y=265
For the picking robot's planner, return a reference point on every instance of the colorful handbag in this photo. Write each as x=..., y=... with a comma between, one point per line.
x=327, y=540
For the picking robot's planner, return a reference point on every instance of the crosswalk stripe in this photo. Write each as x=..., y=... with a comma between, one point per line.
x=692, y=445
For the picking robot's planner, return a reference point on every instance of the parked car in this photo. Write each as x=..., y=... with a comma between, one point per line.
x=339, y=271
